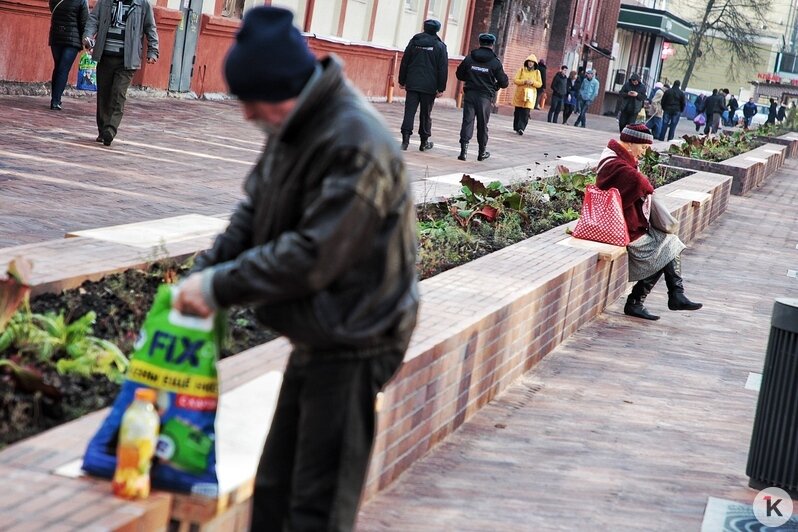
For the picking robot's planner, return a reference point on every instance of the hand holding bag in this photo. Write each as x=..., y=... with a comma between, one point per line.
x=661, y=218
x=601, y=219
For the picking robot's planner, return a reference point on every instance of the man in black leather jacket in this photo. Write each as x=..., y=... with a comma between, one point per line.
x=423, y=73
x=324, y=245
x=483, y=75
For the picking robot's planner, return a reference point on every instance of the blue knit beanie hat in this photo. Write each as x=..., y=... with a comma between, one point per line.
x=270, y=60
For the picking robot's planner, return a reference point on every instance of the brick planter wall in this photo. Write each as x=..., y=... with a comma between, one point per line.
x=749, y=169
x=481, y=326
x=790, y=140
x=485, y=323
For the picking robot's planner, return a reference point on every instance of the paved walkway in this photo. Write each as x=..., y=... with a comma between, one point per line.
x=175, y=157
x=629, y=425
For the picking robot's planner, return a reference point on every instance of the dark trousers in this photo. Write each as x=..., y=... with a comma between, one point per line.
x=63, y=59
x=581, y=119
x=669, y=123
x=113, y=80
x=412, y=102
x=475, y=105
x=626, y=118
x=655, y=125
x=520, y=118
x=316, y=456
x=556, y=107
x=568, y=110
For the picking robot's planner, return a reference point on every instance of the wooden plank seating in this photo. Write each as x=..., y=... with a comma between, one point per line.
x=749, y=169
x=91, y=255
x=606, y=252
x=481, y=326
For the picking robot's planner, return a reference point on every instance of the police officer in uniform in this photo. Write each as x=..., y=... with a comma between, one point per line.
x=423, y=74
x=483, y=75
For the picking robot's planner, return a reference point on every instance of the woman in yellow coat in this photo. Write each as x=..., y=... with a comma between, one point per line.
x=527, y=82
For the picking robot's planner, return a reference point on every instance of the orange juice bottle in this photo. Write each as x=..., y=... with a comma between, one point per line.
x=138, y=436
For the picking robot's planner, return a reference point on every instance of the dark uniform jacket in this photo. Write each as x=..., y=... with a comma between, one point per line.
x=67, y=22
x=424, y=66
x=324, y=244
x=482, y=72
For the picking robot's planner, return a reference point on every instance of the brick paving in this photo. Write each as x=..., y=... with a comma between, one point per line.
x=629, y=425
x=175, y=157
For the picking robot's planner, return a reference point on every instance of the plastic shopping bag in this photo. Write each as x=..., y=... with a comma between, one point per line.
x=601, y=219
x=175, y=355
x=87, y=73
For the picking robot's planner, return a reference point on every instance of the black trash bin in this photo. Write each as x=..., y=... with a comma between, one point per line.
x=773, y=455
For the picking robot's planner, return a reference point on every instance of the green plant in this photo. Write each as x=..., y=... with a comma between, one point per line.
x=489, y=202
x=48, y=338
x=714, y=148
x=771, y=130
x=568, y=215
x=566, y=185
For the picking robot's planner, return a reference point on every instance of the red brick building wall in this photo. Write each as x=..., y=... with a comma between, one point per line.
x=527, y=34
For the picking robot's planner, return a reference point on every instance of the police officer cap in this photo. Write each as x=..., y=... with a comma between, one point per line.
x=432, y=26
x=487, y=38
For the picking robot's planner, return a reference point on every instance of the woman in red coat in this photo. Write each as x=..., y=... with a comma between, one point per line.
x=652, y=253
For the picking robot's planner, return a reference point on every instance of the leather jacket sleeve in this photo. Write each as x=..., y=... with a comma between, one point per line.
x=326, y=242
x=230, y=244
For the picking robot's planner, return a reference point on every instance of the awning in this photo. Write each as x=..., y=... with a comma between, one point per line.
x=662, y=23
x=601, y=51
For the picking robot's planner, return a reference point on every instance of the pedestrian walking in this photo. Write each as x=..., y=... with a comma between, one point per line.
x=559, y=90
x=782, y=113
x=651, y=253
x=67, y=22
x=715, y=105
x=527, y=82
x=483, y=74
x=541, y=101
x=115, y=32
x=423, y=73
x=588, y=92
x=772, y=112
x=700, y=109
x=571, y=92
x=633, y=94
x=654, y=123
x=673, y=104
x=749, y=110
x=733, y=107
x=323, y=245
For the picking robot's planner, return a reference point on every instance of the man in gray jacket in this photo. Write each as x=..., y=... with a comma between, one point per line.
x=324, y=246
x=114, y=32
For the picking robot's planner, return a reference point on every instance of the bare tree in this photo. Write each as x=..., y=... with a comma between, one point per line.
x=731, y=25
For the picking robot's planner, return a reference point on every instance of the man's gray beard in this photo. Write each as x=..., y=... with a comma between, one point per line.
x=269, y=129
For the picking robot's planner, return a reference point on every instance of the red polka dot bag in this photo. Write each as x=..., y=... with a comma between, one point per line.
x=601, y=219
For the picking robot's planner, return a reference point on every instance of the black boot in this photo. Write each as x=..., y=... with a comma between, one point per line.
x=405, y=140
x=634, y=303
x=482, y=155
x=463, y=151
x=673, y=278
x=425, y=145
